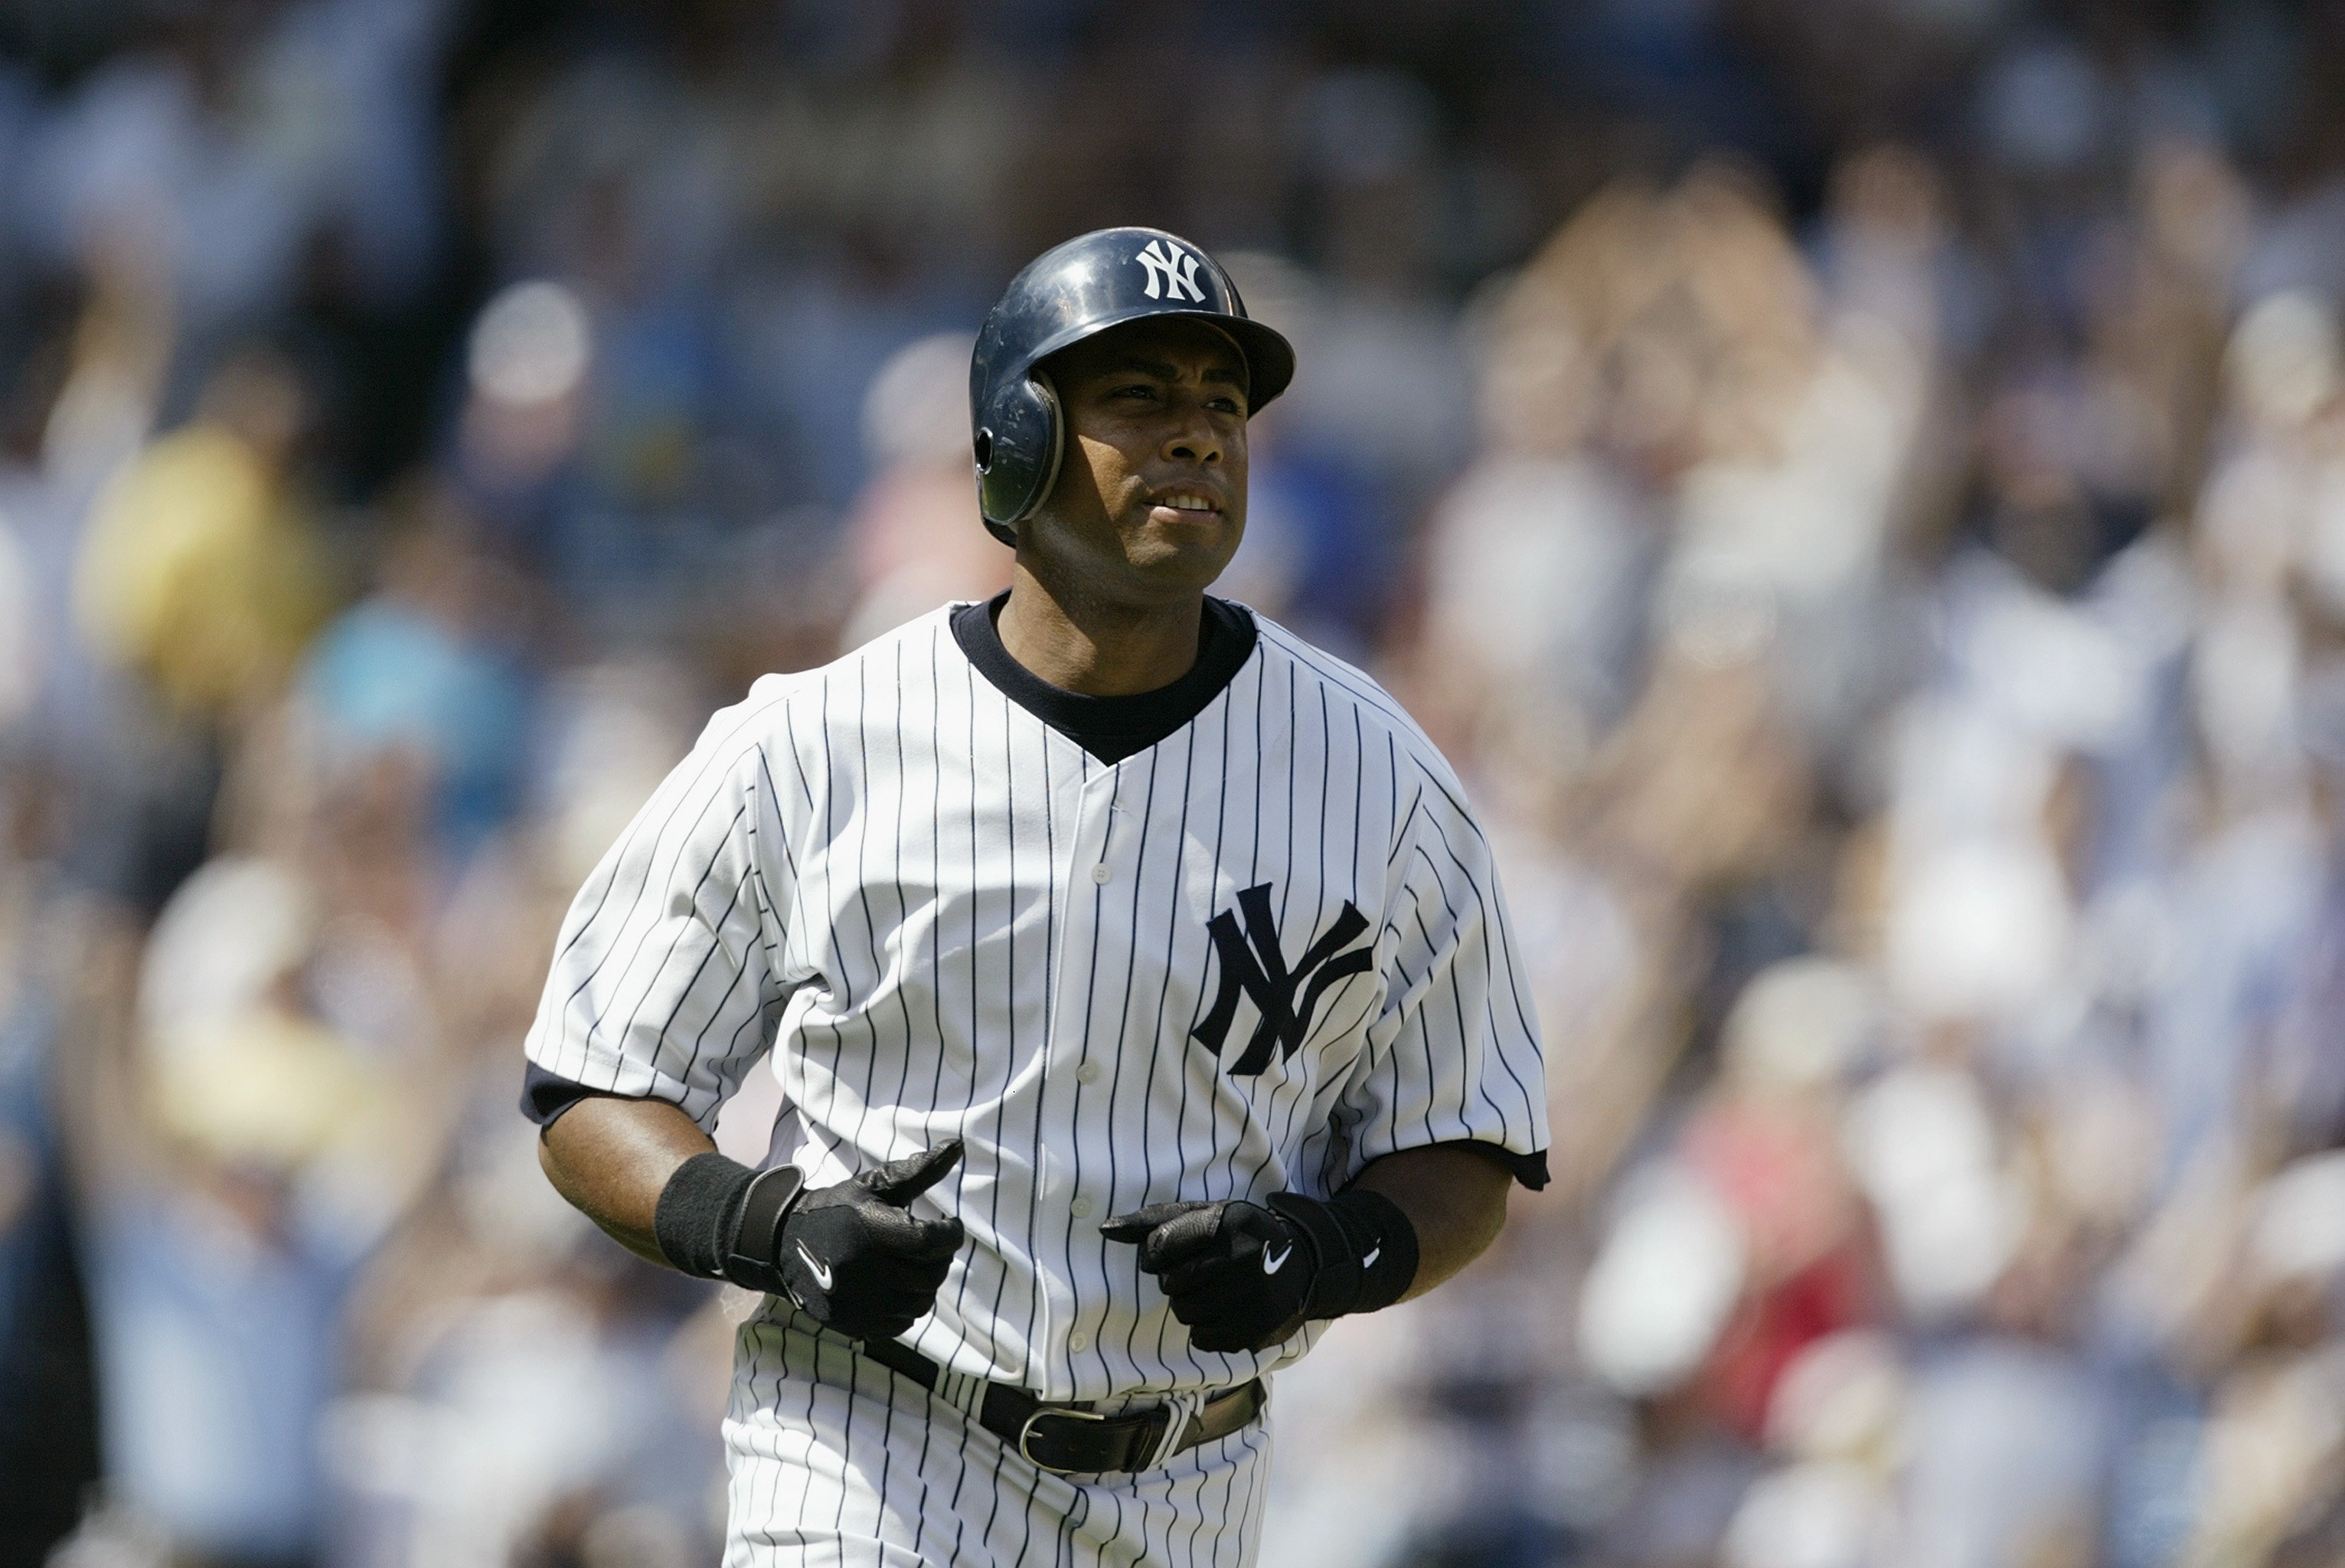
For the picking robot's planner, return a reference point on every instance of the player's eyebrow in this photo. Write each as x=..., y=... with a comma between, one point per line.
x=1164, y=370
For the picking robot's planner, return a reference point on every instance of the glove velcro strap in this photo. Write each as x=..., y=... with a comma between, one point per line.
x=1336, y=1275
x=1364, y=1245
x=753, y=1254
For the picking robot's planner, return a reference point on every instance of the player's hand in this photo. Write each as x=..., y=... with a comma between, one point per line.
x=853, y=1258
x=1238, y=1275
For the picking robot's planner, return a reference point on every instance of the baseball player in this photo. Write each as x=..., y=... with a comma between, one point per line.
x=1136, y=973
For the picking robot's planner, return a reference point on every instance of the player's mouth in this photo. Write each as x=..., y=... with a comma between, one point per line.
x=1184, y=507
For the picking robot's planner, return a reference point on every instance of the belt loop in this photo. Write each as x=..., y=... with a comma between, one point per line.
x=1180, y=1411
x=965, y=1392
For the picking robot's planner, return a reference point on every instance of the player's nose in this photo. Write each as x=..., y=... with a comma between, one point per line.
x=1193, y=439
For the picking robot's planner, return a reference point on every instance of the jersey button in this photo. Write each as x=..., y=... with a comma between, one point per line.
x=1099, y=873
x=1079, y=1340
x=1087, y=1073
x=1080, y=1208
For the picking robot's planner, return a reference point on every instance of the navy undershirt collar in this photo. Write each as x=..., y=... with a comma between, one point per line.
x=1112, y=728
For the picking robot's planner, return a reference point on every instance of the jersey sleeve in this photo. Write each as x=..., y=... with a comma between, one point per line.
x=1455, y=1056
x=664, y=979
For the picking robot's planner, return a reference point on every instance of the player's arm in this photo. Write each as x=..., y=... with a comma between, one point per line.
x=1247, y=1275
x=851, y=1255
x=611, y=1158
x=666, y=985
x=1455, y=1202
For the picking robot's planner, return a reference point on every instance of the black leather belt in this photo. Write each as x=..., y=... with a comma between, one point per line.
x=1074, y=1440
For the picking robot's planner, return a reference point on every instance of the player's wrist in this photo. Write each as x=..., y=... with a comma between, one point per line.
x=718, y=1219
x=697, y=1212
x=1364, y=1250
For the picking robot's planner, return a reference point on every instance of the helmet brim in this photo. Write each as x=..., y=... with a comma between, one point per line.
x=1269, y=357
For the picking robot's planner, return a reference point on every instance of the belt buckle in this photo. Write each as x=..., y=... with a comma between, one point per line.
x=1026, y=1430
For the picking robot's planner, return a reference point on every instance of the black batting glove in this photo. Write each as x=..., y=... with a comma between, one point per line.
x=1247, y=1276
x=853, y=1260
x=851, y=1256
x=1236, y=1274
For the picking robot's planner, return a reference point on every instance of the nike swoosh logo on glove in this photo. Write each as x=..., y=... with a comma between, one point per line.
x=821, y=1275
x=1374, y=1253
x=1272, y=1265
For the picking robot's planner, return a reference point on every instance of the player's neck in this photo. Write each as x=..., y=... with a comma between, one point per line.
x=1080, y=643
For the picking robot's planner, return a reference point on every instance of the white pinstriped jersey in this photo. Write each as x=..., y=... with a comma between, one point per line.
x=1254, y=956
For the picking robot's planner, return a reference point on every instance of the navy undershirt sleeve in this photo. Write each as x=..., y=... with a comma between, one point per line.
x=1528, y=1169
x=545, y=1096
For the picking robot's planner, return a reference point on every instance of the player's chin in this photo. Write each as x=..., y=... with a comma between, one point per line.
x=1188, y=551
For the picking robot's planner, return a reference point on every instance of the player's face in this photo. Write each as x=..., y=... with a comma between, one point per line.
x=1151, y=498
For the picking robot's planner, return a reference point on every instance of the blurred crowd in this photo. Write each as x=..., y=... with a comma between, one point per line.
x=1858, y=487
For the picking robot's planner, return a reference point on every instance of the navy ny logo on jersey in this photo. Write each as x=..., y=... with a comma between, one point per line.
x=1253, y=966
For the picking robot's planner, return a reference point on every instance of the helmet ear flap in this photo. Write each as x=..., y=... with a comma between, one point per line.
x=1054, y=447
x=1017, y=450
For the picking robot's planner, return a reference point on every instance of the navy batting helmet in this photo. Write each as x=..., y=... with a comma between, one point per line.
x=1068, y=293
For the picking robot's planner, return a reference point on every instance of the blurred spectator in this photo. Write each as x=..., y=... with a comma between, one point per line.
x=910, y=531
x=426, y=667
x=48, y=1395
x=202, y=570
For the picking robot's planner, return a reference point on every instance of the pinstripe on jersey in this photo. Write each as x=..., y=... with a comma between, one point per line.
x=955, y=920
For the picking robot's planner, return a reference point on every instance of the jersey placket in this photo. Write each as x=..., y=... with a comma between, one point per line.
x=1073, y=1080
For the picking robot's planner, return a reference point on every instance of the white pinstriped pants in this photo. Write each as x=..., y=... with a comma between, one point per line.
x=838, y=1462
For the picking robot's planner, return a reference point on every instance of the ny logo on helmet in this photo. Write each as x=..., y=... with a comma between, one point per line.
x=1253, y=966
x=1177, y=271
